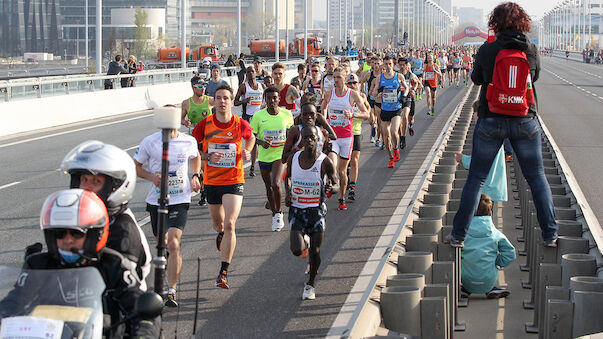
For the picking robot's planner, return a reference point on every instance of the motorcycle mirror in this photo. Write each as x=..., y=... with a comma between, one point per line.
x=148, y=305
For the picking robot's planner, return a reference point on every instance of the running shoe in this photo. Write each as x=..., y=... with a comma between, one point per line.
x=396, y=155
x=372, y=140
x=267, y=205
x=308, y=293
x=202, y=198
x=464, y=293
x=306, y=251
x=342, y=206
x=391, y=163
x=352, y=193
x=402, y=142
x=457, y=84
x=277, y=222
x=307, y=271
x=496, y=293
x=382, y=145
x=411, y=131
x=466, y=84
x=222, y=281
x=219, y=240
x=251, y=171
x=430, y=113
x=508, y=158
x=454, y=242
x=171, y=298
x=377, y=143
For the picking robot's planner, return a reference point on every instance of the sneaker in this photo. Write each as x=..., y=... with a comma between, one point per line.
x=252, y=171
x=508, y=158
x=402, y=142
x=391, y=163
x=396, y=155
x=277, y=222
x=464, y=293
x=306, y=251
x=308, y=293
x=382, y=147
x=377, y=143
x=430, y=112
x=267, y=205
x=551, y=243
x=342, y=206
x=466, y=84
x=219, y=240
x=202, y=198
x=372, y=140
x=222, y=281
x=329, y=195
x=171, y=298
x=307, y=271
x=352, y=193
x=411, y=131
x=457, y=84
x=496, y=293
x=454, y=242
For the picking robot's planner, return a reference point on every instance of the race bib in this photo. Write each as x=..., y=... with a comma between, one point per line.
x=337, y=118
x=256, y=100
x=305, y=192
x=275, y=137
x=390, y=96
x=31, y=327
x=229, y=151
x=429, y=75
x=175, y=183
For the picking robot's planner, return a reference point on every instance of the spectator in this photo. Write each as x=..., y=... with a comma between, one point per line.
x=115, y=68
x=240, y=68
x=486, y=250
x=300, y=78
x=510, y=23
x=215, y=80
x=229, y=63
x=132, y=69
x=203, y=71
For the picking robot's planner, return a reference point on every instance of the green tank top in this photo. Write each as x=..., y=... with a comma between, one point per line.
x=196, y=112
x=357, y=126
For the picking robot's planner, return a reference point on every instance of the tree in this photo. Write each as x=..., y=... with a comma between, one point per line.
x=263, y=27
x=141, y=33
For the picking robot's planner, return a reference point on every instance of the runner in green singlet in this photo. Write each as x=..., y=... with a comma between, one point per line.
x=195, y=109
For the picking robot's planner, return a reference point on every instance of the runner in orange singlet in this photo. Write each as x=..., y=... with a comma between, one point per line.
x=431, y=72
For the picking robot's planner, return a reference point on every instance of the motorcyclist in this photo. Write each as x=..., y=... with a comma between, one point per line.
x=75, y=223
x=110, y=172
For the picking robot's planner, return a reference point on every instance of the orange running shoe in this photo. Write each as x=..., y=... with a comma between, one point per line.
x=396, y=155
x=222, y=281
x=342, y=206
x=391, y=163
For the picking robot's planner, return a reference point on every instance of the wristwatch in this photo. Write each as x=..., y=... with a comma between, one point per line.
x=198, y=175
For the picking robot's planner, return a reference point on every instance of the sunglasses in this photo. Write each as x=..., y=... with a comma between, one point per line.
x=315, y=70
x=200, y=86
x=61, y=233
x=352, y=82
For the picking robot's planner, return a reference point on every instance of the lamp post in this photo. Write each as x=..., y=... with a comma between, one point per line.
x=99, y=36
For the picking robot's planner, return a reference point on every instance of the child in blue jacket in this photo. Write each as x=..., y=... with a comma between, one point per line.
x=486, y=250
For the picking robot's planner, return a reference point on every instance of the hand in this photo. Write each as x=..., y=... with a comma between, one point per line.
x=288, y=200
x=329, y=187
x=195, y=184
x=348, y=114
x=186, y=123
x=247, y=100
x=458, y=157
x=265, y=144
x=157, y=180
x=245, y=154
x=215, y=157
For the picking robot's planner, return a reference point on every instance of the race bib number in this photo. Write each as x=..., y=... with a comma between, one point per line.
x=256, y=100
x=175, y=183
x=275, y=137
x=337, y=118
x=305, y=192
x=429, y=75
x=229, y=151
x=31, y=327
x=390, y=96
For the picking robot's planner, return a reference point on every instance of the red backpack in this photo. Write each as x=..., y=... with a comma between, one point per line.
x=510, y=92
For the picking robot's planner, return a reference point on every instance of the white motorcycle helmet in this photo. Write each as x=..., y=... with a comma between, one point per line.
x=95, y=157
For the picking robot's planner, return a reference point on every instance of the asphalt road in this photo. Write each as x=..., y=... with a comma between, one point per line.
x=266, y=280
x=570, y=98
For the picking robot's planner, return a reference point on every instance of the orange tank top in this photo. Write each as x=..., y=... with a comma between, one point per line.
x=431, y=76
x=229, y=170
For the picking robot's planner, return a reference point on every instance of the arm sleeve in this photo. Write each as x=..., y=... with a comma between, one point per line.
x=245, y=129
x=466, y=161
x=506, y=252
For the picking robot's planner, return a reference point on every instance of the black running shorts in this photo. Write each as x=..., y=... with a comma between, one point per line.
x=214, y=193
x=177, y=215
x=308, y=220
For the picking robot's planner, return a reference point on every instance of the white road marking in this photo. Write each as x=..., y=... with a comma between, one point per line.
x=9, y=185
x=73, y=131
x=574, y=85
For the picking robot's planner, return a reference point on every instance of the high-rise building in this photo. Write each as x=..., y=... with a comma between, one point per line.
x=29, y=26
x=471, y=15
x=299, y=14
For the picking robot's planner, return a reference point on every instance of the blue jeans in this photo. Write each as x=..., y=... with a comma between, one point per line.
x=488, y=137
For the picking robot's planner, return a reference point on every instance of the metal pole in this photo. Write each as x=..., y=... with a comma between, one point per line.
x=86, y=30
x=183, y=34
x=363, y=23
x=345, y=23
x=328, y=26
x=238, y=28
x=353, y=34
x=590, y=24
x=276, y=36
x=306, y=30
x=372, y=28
x=164, y=200
x=287, y=29
x=99, y=36
x=396, y=20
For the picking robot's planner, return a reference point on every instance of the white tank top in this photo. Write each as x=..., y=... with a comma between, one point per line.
x=256, y=98
x=306, y=184
x=341, y=124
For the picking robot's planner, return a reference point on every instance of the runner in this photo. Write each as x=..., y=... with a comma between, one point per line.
x=222, y=135
x=252, y=93
x=300, y=79
x=449, y=68
x=270, y=127
x=287, y=93
x=308, y=117
x=390, y=86
x=408, y=104
x=417, y=69
x=466, y=63
x=215, y=81
x=306, y=198
x=195, y=109
x=183, y=147
x=339, y=104
x=260, y=73
x=367, y=78
x=456, y=66
x=313, y=84
x=353, y=83
x=327, y=78
x=443, y=62
x=432, y=72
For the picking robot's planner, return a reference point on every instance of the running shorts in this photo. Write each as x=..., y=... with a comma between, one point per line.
x=308, y=220
x=427, y=85
x=371, y=103
x=343, y=147
x=406, y=102
x=177, y=215
x=214, y=193
x=449, y=68
x=266, y=166
x=456, y=70
x=356, y=146
x=389, y=115
x=443, y=70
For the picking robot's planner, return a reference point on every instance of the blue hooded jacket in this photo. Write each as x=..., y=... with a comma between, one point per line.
x=485, y=249
x=496, y=183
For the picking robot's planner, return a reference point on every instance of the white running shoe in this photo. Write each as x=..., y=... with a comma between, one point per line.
x=308, y=293
x=372, y=140
x=277, y=222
